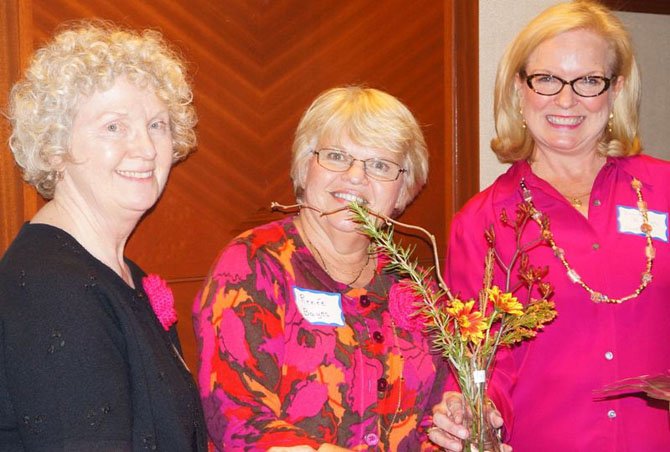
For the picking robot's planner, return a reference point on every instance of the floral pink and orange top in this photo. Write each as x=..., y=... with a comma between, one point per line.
x=288, y=356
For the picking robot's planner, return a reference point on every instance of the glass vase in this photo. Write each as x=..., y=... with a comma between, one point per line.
x=483, y=437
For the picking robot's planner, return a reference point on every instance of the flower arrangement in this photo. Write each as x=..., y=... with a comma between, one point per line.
x=161, y=299
x=467, y=332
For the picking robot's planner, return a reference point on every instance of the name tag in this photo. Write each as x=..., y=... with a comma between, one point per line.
x=319, y=308
x=629, y=221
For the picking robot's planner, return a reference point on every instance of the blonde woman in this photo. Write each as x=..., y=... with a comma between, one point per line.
x=566, y=109
x=299, y=348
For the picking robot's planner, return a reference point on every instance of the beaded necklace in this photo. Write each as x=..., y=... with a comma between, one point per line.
x=598, y=297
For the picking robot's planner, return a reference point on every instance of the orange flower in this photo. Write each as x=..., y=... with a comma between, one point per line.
x=504, y=301
x=470, y=324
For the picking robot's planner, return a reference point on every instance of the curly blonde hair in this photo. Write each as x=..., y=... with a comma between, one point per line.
x=512, y=141
x=85, y=57
x=368, y=117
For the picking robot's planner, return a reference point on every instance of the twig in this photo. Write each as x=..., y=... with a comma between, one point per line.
x=387, y=220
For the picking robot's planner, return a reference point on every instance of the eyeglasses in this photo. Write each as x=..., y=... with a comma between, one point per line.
x=340, y=161
x=550, y=85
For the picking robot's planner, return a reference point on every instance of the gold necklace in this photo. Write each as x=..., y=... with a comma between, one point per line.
x=598, y=297
x=325, y=267
x=576, y=201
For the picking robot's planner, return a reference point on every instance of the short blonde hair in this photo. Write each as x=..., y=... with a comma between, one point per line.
x=84, y=57
x=513, y=142
x=368, y=117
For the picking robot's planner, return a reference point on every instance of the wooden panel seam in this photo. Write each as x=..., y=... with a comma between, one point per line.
x=15, y=45
x=466, y=106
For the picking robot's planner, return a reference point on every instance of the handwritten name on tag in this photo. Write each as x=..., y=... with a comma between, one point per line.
x=630, y=219
x=319, y=308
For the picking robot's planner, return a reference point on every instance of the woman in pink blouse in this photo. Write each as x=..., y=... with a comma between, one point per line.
x=298, y=350
x=566, y=109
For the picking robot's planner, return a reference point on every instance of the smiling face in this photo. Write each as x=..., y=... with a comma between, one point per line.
x=567, y=123
x=329, y=190
x=121, y=149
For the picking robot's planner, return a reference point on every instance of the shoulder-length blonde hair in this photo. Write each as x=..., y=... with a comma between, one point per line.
x=512, y=141
x=84, y=57
x=368, y=117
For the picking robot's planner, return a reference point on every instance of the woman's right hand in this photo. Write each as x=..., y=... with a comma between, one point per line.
x=448, y=430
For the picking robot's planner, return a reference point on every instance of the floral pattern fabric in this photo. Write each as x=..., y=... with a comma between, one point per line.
x=277, y=371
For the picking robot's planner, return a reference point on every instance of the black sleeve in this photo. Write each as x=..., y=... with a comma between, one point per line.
x=64, y=362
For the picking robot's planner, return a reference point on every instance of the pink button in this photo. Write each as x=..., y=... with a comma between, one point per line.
x=371, y=439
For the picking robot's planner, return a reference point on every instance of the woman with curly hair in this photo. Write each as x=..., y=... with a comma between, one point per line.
x=98, y=120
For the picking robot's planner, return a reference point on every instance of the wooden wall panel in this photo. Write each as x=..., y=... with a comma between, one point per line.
x=465, y=94
x=17, y=202
x=256, y=66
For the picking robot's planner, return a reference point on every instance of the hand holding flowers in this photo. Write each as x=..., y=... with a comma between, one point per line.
x=448, y=419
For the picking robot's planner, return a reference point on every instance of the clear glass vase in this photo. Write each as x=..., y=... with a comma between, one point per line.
x=483, y=437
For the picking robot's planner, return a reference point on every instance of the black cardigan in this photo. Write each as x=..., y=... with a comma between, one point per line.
x=84, y=363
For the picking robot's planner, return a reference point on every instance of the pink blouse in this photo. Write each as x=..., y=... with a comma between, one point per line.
x=545, y=386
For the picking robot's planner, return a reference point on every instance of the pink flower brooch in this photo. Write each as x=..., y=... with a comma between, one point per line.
x=161, y=299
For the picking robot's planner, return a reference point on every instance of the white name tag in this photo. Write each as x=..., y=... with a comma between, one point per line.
x=319, y=308
x=629, y=221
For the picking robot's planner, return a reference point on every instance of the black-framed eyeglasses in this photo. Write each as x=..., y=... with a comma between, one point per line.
x=550, y=85
x=340, y=161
